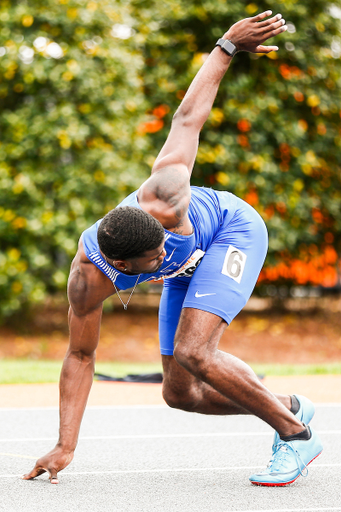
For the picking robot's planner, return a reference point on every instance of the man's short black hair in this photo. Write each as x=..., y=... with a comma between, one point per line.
x=127, y=232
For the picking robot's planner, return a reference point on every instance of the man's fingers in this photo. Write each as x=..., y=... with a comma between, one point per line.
x=262, y=15
x=266, y=49
x=282, y=28
x=268, y=22
x=276, y=25
x=53, y=477
x=268, y=31
x=274, y=30
x=37, y=471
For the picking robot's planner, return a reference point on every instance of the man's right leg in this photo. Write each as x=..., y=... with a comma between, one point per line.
x=182, y=390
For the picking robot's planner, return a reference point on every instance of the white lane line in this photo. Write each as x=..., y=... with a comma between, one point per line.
x=170, y=470
x=16, y=409
x=146, y=436
x=114, y=407
x=91, y=407
x=295, y=510
x=160, y=436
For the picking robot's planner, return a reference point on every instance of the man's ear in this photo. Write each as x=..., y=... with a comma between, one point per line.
x=120, y=265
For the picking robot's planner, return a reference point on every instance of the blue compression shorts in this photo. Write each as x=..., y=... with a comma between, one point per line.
x=223, y=282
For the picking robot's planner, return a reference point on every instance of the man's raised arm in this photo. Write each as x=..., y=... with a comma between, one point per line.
x=166, y=194
x=182, y=142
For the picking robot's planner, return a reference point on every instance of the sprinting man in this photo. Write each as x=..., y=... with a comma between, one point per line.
x=208, y=247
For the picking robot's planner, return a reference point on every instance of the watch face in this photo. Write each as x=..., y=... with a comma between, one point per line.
x=229, y=47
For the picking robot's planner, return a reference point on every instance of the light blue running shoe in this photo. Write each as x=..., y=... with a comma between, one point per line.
x=305, y=414
x=289, y=461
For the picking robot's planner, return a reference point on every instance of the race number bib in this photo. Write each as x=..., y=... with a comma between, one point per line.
x=234, y=264
x=188, y=268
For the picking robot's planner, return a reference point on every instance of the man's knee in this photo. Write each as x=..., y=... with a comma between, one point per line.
x=191, y=357
x=184, y=399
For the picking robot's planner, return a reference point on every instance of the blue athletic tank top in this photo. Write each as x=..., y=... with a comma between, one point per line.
x=208, y=210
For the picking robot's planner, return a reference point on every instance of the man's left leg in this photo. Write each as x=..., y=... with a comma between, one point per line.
x=182, y=390
x=196, y=350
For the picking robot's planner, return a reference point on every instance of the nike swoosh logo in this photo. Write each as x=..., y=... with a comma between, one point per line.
x=170, y=257
x=197, y=294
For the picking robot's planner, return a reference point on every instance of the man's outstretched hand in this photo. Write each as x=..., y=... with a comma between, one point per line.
x=56, y=460
x=249, y=34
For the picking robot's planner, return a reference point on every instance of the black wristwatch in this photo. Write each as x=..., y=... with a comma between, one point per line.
x=227, y=46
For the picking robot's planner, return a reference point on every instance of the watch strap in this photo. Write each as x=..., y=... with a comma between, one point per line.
x=227, y=46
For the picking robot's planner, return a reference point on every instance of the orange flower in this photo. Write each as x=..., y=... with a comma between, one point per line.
x=330, y=254
x=252, y=197
x=161, y=111
x=281, y=207
x=151, y=126
x=269, y=212
x=298, y=96
x=243, y=141
x=321, y=129
x=244, y=125
x=284, y=69
x=329, y=277
x=316, y=267
x=284, y=149
x=317, y=215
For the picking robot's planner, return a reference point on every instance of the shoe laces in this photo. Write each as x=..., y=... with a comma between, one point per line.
x=282, y=453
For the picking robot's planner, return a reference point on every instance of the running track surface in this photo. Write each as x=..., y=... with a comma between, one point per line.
x=139, y=458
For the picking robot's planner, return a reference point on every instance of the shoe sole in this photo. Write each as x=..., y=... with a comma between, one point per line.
x=269, y=484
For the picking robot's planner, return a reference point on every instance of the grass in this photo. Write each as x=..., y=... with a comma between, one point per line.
x=297, y=369
x=26, y=371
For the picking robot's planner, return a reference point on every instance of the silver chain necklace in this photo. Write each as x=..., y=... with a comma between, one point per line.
x=125, y=305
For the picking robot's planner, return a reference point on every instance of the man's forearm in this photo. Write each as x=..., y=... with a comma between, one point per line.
x=247, y=35
x=197, y=103
x=75, y=384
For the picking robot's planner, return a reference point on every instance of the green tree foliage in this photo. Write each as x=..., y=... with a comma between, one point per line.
x=274, y=136
x=87, y=91
x=71, y=97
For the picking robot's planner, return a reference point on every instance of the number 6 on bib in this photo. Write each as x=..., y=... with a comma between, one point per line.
x=234, y=263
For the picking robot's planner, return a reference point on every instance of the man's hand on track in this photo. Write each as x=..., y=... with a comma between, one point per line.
x=56, y=460
x=250, y=34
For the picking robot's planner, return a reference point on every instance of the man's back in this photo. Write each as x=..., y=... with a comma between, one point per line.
x=207, y=210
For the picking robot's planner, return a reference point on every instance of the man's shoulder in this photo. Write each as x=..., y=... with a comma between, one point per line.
x=87, y=286
x=199, y=194
x=202, y=191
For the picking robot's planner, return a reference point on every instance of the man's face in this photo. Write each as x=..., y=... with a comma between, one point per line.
x=149, y=263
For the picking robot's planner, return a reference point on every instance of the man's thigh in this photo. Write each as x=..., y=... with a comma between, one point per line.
x=173, y=295
x=224, y=280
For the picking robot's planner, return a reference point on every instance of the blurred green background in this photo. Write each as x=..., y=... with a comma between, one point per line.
x=87, y=93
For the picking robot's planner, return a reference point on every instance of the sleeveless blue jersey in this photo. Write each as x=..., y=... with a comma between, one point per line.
x=208, y=210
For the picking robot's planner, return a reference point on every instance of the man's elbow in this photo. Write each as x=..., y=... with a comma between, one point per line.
x=189, y=118
x=183, y=118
